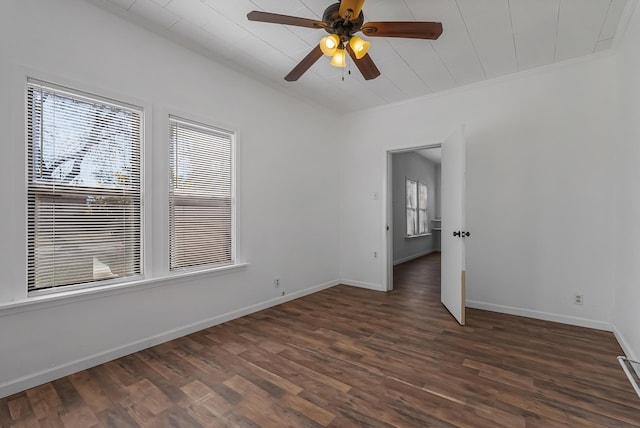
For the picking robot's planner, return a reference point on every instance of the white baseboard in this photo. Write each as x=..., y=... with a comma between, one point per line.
x=360, y=284
x=581, y=322
x=413, y=256
x=624, y=344
x=44, y=376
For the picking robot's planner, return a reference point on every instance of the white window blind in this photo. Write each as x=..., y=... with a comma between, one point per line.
x=416, y=208
x=412, y=206
x=84, y=188
x=422, y=208
x=200, y=197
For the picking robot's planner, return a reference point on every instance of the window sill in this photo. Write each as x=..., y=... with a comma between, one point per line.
x=58, y=298
x=417, y=236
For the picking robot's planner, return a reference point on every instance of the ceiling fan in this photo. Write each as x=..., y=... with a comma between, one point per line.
x=342, y=21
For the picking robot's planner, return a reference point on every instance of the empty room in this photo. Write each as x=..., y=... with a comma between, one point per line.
x=305, y=213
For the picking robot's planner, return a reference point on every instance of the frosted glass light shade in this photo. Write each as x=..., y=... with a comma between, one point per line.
x=360, y=46
x=329, y=44
x=339, y=58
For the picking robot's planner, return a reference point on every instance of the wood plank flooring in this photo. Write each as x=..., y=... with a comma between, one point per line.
x=348, y=357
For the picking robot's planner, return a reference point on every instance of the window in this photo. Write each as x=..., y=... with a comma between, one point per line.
x=417, y=223
x=201, y=210
x=84, y=188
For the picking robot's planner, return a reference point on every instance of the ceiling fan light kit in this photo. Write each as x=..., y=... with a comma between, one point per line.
x=329, y=44
x=342, y=20
x=339, y=59
x=360, y=46
x=332, y=46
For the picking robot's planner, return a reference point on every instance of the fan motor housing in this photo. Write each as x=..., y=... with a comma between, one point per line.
x=338, y=25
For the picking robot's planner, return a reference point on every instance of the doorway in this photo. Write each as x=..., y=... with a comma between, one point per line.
x=452, y=226
x=413, y=206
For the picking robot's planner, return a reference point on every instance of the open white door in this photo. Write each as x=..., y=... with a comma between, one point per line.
x=453, y=230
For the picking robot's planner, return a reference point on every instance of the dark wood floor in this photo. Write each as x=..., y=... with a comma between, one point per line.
x=348, y=357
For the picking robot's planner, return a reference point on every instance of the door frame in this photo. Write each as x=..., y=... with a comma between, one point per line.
x=388, y=210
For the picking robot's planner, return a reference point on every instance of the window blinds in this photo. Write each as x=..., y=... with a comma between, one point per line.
x=412, y=206
x=84, y=188
x=200, y=195
x=422, y=209
x=416, y=209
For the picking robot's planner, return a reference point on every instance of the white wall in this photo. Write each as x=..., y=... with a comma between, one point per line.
x=627, y=176
x=415, y=167
x=288, y=208
x=539, y=188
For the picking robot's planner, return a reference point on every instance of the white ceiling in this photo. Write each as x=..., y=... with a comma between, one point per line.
x=482, y=39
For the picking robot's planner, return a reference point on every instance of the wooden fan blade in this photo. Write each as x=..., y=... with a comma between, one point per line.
x=350, y=9
x=304, y=65
x=409, y=29
x=275, y=18
x=365, y=65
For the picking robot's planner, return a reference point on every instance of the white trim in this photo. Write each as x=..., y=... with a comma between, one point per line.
x=413, y=256
x=34, y=85
x=628, y=351
x=422, y=235
x=172, y=120
x=546, y=316
x=19, y=76
x=73, y=296
x=26, y=382
x=361, y=284
x=387, y=226
x=387, y=213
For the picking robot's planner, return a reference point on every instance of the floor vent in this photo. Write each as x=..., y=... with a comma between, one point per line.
x=631, y=368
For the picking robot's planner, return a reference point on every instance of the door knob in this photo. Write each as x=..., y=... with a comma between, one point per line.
x=458, y=234
x=466, y=234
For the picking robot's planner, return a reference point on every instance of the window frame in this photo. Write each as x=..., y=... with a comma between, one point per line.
x=31, y=182
x=154, y=205
x=417, y=223
x=234, y=135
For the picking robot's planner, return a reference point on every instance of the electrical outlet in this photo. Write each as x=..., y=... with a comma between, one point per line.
x=375, y=254
x=276, y=282
x=578, y=299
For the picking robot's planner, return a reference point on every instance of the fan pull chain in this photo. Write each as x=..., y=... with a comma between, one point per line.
x=348, y=68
